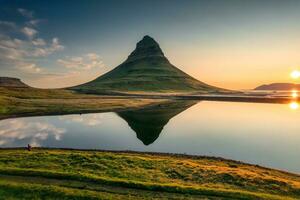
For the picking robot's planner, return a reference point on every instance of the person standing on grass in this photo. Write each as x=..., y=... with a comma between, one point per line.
x=29, y=147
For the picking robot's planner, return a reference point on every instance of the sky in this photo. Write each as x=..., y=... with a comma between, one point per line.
x=233, y=44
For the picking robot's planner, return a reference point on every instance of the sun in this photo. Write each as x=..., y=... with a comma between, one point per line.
x=294, y=105
x=295, y=74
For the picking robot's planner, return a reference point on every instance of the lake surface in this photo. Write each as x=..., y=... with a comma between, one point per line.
x=264, y=134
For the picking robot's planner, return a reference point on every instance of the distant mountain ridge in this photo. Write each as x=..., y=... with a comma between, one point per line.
x=12, y=82
x=279, y=86
x=146, y=70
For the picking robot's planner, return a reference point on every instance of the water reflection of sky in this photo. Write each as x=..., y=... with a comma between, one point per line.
x=265, y=134
x=17, y=132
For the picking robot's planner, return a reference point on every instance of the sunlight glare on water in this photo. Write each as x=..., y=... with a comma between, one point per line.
x=294, y=93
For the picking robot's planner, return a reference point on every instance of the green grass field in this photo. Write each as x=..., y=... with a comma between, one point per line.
x=15, y=102
x=75, y=174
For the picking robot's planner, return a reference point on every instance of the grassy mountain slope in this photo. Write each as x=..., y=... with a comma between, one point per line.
x=146, y=70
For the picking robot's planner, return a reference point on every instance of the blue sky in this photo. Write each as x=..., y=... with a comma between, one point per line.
x=231, y=43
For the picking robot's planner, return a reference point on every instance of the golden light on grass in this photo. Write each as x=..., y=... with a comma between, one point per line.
x=294, y=105
x=295, y=74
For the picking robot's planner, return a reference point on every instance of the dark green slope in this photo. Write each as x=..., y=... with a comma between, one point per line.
x=146, y=70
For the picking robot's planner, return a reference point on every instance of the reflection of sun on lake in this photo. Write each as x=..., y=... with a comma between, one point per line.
x=294, y=105
x=294, y=93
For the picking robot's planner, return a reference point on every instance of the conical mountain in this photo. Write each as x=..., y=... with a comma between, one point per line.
x=148, y=123
x=146, y=70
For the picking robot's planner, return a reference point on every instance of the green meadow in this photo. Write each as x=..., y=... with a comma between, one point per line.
x=16, y=102
x=77, y=174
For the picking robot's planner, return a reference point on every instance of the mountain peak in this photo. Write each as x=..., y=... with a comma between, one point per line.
x=145, y=70
x=147, y=47
x=147, y=40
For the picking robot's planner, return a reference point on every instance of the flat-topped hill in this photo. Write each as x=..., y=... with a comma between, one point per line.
x=279, y=86
x=146, y=70
x=12, y=82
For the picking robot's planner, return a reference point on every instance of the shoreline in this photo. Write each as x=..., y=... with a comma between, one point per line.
x=162, y=98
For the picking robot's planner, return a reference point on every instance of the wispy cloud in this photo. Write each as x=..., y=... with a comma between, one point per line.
x=34, y=22
x=29, y=32
x=23, y=48
x=84, y=62
x=39, y=42
x=25, y=13
x=87, y=120
x=6, y=26
x=17, y=53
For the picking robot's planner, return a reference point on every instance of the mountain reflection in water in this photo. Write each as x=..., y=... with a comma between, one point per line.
x=251, y=132
x=148, y=123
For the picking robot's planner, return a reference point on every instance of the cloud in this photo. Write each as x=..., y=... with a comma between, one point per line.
x=85, y=62
x=19, y=54
x=39, y=42
x=25, y=13
x=6, y=26
x=56, y=46
x=31, y=68
x=77, y=70
x=34, y=22
x=93, y=56
x=29, y=32
x=23, y=50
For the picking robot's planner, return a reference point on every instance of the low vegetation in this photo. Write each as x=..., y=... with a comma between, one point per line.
x=16, y=102
x=75, y=174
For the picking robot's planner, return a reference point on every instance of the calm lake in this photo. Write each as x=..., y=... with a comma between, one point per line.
x=264, y=134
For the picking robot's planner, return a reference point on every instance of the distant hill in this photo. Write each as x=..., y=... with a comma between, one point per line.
x=279, y=86
x=146, y=70
x=12, y=82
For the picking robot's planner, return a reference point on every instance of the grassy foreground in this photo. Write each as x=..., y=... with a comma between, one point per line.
x=15, y=102
x=75, y=174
